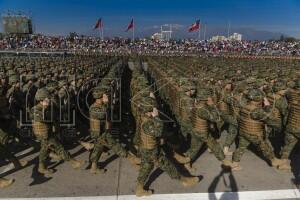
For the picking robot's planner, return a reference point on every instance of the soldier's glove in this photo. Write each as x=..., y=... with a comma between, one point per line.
x=266, y=102
x=162, y=141
x=220, y=125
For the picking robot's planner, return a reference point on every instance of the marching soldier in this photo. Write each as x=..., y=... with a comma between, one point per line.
x=253, y=118
x=204, y=114
x=185, y=102
x=279, y=105
x=100, y=131
x=151, y=153
x=292, y=130
x=226, y=107
x=42, y=130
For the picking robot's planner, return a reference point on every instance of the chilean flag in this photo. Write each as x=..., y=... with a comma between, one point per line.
x=99, y=24
x=130, y=26
x=195, y=26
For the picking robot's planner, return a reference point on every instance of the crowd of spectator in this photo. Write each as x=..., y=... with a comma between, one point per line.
x=149, y=46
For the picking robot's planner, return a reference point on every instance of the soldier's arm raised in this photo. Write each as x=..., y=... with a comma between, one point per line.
x=211, y=116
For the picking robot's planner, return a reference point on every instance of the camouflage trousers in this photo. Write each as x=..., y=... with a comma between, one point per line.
x=290, y=140
x=52, y=144
x=185, y=128
x=150, y=158
x=3, y=137
x=106, y=140
x=198, y=140
x=4, y=152
x=232, y=133
x=258, y=141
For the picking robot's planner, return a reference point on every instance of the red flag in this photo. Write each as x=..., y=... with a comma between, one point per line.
x=99, y=24
x=195, y=26
x=130, y=26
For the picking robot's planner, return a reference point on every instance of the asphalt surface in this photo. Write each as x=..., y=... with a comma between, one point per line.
x=120, y=178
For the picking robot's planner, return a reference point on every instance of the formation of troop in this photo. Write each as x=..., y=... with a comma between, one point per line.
x=44, y=99
x=254, y=101
x=179, y=106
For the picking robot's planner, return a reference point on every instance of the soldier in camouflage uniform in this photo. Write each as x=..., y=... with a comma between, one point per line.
x=16, y=100
x=205, y=113
x=226, y=108
x=4, y=138
x=186, y=102
x=151, y=154
x=292, y=130
x=253, y=118
x=100, y=131
x=4, y=182
x=279, y=105
x=42, y=130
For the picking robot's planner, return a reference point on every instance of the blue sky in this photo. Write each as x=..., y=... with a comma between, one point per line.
x=58, y=17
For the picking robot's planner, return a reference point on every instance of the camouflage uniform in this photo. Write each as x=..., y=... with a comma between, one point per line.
x=100, y=130
x=203, y=116
x=279, y=106
x=253, y=118
x=16, y=104
x=151, y=154
x=226, y=108
x=4, y=135
x=42, y=130
x=292, y=130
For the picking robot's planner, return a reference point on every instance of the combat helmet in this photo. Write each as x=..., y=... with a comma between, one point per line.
x=42, y=94
x=13, y=79
x=255, y=95
x=98, y=92
x=297, y=83
x=203, y=94
x=278, y=86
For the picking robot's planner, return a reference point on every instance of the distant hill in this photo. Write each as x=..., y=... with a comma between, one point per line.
x=248, y=33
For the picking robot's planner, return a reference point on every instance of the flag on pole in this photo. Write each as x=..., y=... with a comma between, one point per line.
x=130, y=26
x=195, y=26
x=99, y=24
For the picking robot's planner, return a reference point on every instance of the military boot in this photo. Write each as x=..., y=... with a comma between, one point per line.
x=227, y=152
x=285, y=165
x=181, y=159
x=95, y=170
x=133, y=159
x=23, y=163
x=189, y=181
x=87, y=145
x=189, y=167
x=19, y=163
x=227, y=163
x=54, y=157
x=235, y=166
x=44, y=170
x=5, y=182
x=276, y=162
x=76, y=164
x=140, y=191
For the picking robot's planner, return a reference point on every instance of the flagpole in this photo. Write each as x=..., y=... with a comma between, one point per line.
x=228, y=29
x=199, y=31
x=102, y=32
x=133, y=29
x=204, y=30
x=99, y=33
